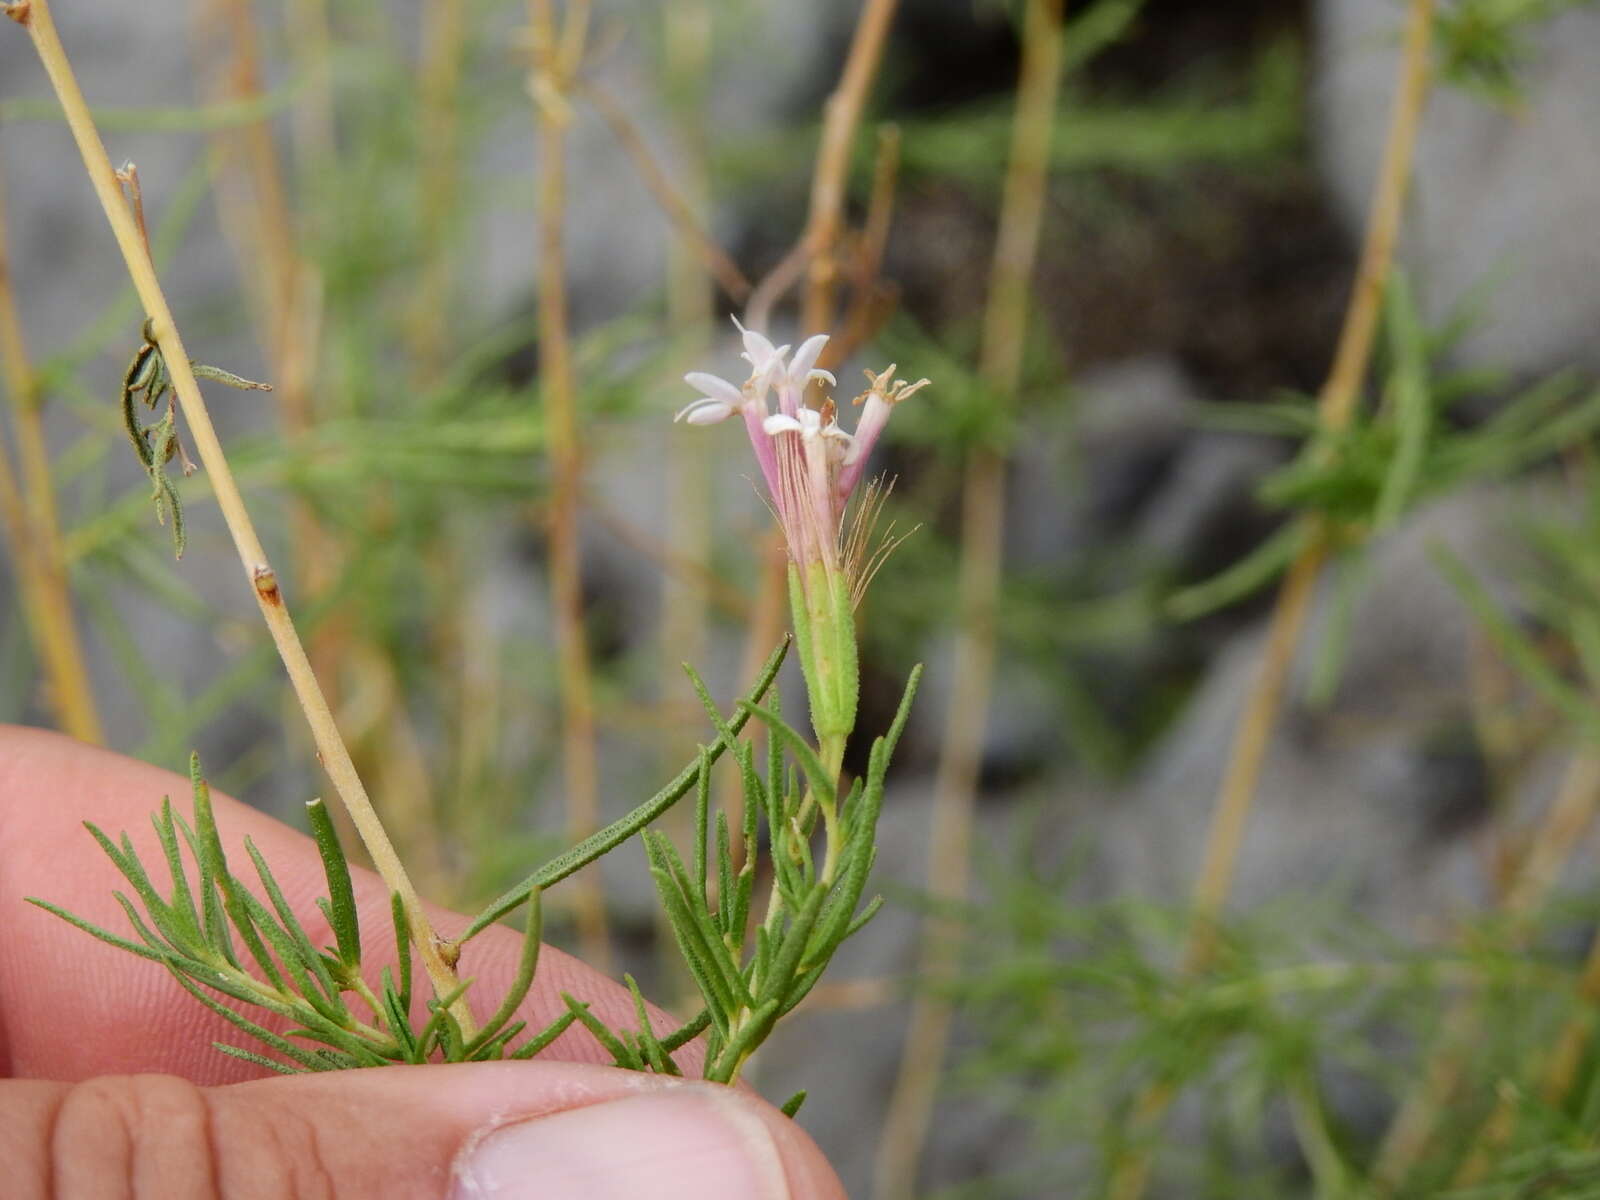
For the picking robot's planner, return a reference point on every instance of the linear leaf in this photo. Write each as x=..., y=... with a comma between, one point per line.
x=625, y=827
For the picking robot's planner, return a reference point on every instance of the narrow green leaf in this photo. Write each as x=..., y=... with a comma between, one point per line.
x=239, y=905
x=625, y=827
x=816, y=775
x=702, y=807
x=1412, y=413
x=402, y=947
x=263, y=1035
x=1517, y=646
x=310, y=956
x=624, y=1056
x=215, y=863
x=545, y=1036
x=182, y=903
x=289, y=954
x=666, y=855
x=341, y=895
x=127, y=862
x=395, y=1017
x=527, y=964
x=723, y=916
x=687, y=1032
x=791, y=1106
x=150, y=937
x=696, y=956
x=788, y=954
x=214, y=923
x=865, y=915
x=660, y=1062
x=495, y=1047
x=121, y=943
x=260, y=1060
x=744, y=891
x=802, y=985
x=761, y=962
x=1249, y=574
x=439, y=1020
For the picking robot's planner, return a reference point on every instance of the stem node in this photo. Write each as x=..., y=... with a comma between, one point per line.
x=265, y=580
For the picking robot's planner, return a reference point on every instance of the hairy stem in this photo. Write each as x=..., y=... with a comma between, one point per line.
x=263, y=580
x=982, y=527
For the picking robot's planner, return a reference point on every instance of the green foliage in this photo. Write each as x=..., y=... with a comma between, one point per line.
x=196, y=930
x=1307, y=1018
x=219, y=940
x=1483, y=44
x=1356, y=484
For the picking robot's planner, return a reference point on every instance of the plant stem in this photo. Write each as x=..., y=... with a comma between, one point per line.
x=692, y=258
x=556, y=57
x=841, y=115
x=1335, y=407
x=681, y=207
x=982, y=529
x=264, y=582
x=438, y=98
x=33, y=526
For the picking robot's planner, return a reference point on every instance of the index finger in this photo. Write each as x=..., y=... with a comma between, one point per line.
x=72, y=1007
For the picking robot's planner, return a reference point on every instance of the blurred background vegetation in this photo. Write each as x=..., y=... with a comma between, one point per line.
x=1210, y=506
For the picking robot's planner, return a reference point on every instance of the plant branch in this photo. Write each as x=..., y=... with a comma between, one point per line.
x=982, y=529
x=1336, y=405
x=841, y=116
x=33, y=526
x=693, y=234
x=556, y=54
x=432, y=949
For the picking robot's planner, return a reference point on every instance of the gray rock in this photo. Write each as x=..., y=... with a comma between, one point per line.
x=1503, y=196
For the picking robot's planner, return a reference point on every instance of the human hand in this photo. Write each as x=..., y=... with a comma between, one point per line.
x=109, y=1085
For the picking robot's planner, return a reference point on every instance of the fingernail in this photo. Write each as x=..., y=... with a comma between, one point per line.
x=688, y=1142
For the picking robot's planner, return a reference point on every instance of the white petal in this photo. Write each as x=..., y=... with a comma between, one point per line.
x=819, y=373
x=715, y=386
x=806, y=357
x=757, y=349
x=782, y=423
x=705, y=412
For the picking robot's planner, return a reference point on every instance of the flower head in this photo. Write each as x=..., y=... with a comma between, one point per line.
x=811, y=467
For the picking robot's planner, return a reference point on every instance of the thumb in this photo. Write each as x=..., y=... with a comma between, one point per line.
x=485, y=1131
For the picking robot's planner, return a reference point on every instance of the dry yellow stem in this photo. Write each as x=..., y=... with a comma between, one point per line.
x=264, y=581
x=982, y=527
x=1336, y=406
x=556, y=56
x=33, y=527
